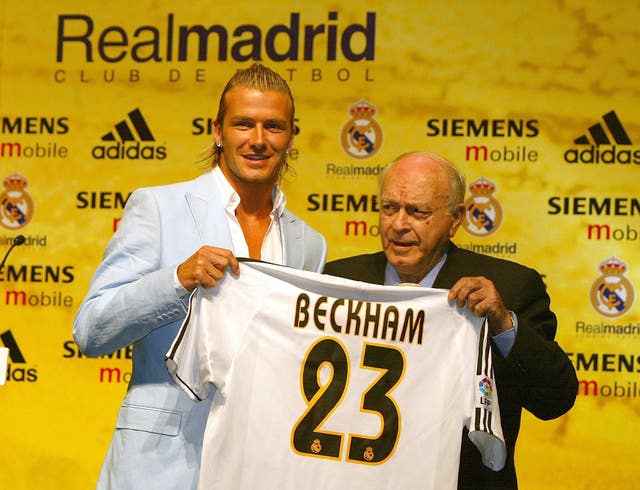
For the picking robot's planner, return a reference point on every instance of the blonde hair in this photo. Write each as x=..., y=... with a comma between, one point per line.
x=259, y=77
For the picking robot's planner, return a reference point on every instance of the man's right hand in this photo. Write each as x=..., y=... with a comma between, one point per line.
x=206, y=267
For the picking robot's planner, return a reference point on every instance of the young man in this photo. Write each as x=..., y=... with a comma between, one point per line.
x=173, y=239
x=421, y=208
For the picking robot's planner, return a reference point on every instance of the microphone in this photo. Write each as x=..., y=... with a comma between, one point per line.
x=17, y=241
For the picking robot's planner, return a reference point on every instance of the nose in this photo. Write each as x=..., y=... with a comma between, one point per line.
x=400, y=219
x=258, y=138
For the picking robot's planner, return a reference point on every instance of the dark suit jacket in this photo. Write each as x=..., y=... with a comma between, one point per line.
x=536, y=375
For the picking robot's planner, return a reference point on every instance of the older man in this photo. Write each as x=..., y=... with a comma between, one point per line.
x=421, y=208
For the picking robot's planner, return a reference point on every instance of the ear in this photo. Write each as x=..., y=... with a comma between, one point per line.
x=217, y=132
x=457, y=217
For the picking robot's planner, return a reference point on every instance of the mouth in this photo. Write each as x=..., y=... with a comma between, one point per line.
x=401, y=246
x=255, y=157
x=257, y=161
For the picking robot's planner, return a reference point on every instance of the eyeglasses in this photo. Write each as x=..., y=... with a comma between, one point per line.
x=390, y=209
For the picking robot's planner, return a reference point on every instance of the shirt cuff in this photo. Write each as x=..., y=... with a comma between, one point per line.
x=506, y=339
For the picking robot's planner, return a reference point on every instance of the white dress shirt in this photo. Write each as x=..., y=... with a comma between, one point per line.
x=271, y=250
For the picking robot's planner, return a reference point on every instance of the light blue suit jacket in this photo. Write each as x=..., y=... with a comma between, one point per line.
x=132, y=300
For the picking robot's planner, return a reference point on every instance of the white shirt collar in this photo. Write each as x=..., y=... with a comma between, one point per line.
x=272, y=246
x=231, y=198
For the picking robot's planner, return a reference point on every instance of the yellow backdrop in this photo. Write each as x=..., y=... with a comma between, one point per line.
x=537, y=101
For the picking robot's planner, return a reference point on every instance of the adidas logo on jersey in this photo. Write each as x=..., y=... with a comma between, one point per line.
x=608, y=133
x=129, y=137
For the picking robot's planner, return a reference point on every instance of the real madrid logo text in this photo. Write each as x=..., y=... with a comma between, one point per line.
x=16, y=205
x=483, y=214
x=361, y=136
x=611, y=293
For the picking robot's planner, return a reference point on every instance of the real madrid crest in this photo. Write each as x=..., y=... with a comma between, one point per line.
x=483, y=215
x=16, y=205
x=361, y=136
x=368, y=454
x=316, y=446
x=612, y=294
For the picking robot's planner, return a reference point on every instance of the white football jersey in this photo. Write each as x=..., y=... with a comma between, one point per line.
x=326, y=383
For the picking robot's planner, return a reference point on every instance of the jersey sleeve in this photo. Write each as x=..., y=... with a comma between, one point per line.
x=485, y=429
x=201, y=357
x=187, y=360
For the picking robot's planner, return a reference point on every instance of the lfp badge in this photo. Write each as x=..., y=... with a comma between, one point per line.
x=361, y=136
x=484, y=395
x=16, y=205
x=483, y=215
x=612, y=294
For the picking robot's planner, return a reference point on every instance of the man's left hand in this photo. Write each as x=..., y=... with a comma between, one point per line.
x=482, y=299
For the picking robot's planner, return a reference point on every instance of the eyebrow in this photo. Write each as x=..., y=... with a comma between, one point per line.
x=240, y=117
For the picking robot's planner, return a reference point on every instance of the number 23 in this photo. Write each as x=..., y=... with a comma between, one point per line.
x=306, y=437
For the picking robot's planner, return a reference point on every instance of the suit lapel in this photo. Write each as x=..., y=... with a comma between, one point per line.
x=292, y=230
x=207, y=212
x=378, y=268
x=450, y=271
